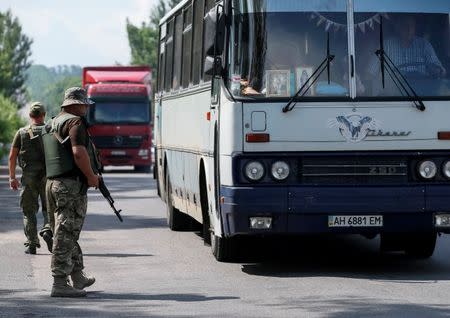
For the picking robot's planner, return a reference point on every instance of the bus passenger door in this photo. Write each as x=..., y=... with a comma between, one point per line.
x=158, y=160
x=214, y=147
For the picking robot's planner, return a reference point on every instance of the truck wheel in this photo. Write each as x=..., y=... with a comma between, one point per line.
x=176, y=220
x=223, y=249
x=421, y=245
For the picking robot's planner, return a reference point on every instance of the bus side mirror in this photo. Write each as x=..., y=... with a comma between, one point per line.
x=214, y=31
x=213, y=66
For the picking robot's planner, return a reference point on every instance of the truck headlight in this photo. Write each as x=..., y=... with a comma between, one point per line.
x=254, y=170
x=427, y=169
x=143, y=153
x=280, y=170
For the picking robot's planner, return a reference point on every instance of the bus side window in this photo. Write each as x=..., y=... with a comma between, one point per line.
x=177, y=52
x=197, y=62
x=169, y=56
x=161, y=63
x=187, y=47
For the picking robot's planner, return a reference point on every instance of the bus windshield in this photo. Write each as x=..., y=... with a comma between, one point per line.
x=120, y=112
x=277, y=45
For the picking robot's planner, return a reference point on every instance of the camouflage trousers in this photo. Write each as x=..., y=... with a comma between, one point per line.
x=33, y=188
x=67, y=203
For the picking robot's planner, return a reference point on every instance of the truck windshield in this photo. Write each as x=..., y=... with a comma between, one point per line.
x=120, y=112
x=416, y=37
x=278, y=45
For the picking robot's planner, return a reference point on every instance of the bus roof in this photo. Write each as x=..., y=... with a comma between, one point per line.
x=175, y=9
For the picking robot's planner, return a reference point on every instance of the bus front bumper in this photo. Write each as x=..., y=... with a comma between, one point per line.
x=306, y=210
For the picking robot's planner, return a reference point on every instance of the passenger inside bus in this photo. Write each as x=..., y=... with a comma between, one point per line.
x=412, y=53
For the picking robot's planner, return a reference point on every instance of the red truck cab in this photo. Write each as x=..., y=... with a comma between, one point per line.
x=120, y=120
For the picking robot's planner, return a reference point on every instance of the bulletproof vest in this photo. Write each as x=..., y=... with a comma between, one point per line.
x=59, y=158
x=31, y=153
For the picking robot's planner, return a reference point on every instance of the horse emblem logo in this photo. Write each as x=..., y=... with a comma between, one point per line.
x=354, y=127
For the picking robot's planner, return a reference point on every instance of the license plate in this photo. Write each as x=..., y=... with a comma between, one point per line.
x=118, y=153
x=355, y=220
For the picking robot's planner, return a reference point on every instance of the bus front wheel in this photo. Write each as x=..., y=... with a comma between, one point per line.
x=223, y=248
x=421, y=245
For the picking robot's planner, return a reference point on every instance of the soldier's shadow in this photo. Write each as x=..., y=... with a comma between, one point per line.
x=157, y=297
x=116, y=255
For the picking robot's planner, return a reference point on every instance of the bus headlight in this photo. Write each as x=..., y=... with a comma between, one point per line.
x=254, y=170
x=446, y=169
x=427, y=169
x=280, y=170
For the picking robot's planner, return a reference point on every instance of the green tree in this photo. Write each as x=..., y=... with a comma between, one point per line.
x=41, y=78
x=54, y=94
x=15, y=50
x=9, y=123
x=143, y=40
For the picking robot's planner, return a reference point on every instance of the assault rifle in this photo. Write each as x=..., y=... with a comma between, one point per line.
x=104, y=190
x=101, y=184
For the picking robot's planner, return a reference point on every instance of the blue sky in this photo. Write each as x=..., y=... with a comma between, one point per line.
x=81, y=32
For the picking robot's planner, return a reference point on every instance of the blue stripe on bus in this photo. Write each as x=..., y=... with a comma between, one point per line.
x=297, y=210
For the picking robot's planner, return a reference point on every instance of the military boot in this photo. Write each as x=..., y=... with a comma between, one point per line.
x=80, y=280
x=61, y=288
x=48, y=238
x=31, y=249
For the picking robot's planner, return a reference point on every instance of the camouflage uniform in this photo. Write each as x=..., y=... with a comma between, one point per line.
x=68, y=200
x=66, y=190
x=33, y=188
x=31, y=156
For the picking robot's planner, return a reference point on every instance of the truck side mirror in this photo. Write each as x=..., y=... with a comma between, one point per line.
x=214, y=31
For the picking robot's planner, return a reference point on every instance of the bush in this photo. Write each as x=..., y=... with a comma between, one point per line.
x=9, y=123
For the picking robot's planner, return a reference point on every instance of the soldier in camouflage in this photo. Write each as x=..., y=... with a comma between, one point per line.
x=71, y=168
x=27, y=148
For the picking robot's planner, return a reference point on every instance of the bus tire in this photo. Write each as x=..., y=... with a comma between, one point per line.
x=206, y=222
x=223, y=248
x=392, y=242
x=176, y=220
x=420, y=246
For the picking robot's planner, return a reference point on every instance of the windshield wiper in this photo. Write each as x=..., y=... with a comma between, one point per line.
x=395, y=74
x=325, y=65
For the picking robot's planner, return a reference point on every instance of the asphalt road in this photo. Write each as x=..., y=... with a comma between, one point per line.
x=144, y=270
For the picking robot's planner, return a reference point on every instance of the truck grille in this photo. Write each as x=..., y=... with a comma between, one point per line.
x=112, y=142
x=354, y=170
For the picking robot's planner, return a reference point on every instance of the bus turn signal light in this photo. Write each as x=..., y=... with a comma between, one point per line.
x=444, y=135
x=257, y=137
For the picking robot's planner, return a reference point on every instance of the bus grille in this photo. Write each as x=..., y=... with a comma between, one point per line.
x=354, y=170
x=112, y=142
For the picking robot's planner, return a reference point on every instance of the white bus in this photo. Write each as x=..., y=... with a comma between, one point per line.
x=306, y=118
